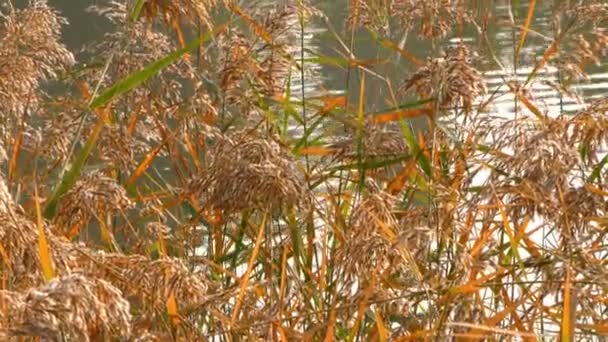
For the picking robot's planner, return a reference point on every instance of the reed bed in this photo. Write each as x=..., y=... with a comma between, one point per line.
x=161, y=194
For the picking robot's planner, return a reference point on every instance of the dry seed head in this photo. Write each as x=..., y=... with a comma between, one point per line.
x=583, y=204
x=282, y=23
x=153, y=281
x=58, y=131
x=172, y=11
x=451, y=80
x=19, y=236
x=11, y=312
x=378, y=141
x=235, y=62
x=31, y=52
x=434, y=17
x=264, y=65
x=584, y=49
x=587, y=39
x=589, y=127
x=201, y=102
x=130, y=49
x=76, y=307
x=371, y=223
x=369, y=13
x=248, y=172
x=594, y=12
x=537, y=160
x=158, y=230
x=239, y=69
x=94, y=195
x=540, y=155
x=117, y=146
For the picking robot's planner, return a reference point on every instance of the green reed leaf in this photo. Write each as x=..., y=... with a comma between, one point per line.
x=598, y=169
x=136, y=11
x=70, y=177
x=304, y=139
x=135, y=79
x=412, y=143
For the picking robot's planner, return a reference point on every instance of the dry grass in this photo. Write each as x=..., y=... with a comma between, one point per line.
x=183, y=208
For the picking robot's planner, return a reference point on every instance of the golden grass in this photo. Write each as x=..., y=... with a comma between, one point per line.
x=182, y=208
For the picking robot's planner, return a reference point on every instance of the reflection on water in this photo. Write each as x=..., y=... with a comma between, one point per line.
x=317, y=39
x=543, y=90
x=503, y=39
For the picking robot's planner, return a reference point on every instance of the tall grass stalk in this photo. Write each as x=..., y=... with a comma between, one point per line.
x=208, y=198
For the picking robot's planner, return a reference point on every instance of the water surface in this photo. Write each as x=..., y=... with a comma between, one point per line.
x=85, y=28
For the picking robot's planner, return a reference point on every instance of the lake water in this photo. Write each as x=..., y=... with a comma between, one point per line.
x=85, y=27
x=501, y=37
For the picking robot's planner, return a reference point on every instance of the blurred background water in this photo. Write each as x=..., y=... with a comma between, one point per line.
x=85, y=28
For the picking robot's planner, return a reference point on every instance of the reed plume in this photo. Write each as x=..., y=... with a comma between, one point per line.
x=161, y=194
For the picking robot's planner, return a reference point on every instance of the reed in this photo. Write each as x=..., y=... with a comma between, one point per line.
x=152, y=188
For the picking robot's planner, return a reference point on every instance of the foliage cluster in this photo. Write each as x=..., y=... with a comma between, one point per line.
x=181, y=187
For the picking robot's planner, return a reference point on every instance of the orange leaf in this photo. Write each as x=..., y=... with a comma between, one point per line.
x=599, y=328
x=404, y=53
x=401, y=114
x=257, y=28
x=218, y=233
x=153, y=196
x=12, y=168
x=283, y=285
x=46, y=262
x=73, y=231
x=6, y=258
x=331, y=102
x=317, y=151
x=506, y=224
x=171, y=304
x=172, y=310
x=192, y=150
x=365, y=62
x=511, y=308
x=526, y=27
x=595, y=190
x=145, y=163
x=282, y=334
x=530, y=105
x=382, y=331
x=567, y=326
x=245, y=279
x=521, y=230
x=416, y=336
x=180, y=37
x=547, y=55
x=474, y=285
x=398, y=183
x=102, y=113
x=133, y=120
x=525, y=236
x=329, y=335
x=481, y=241
x=362, y=306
